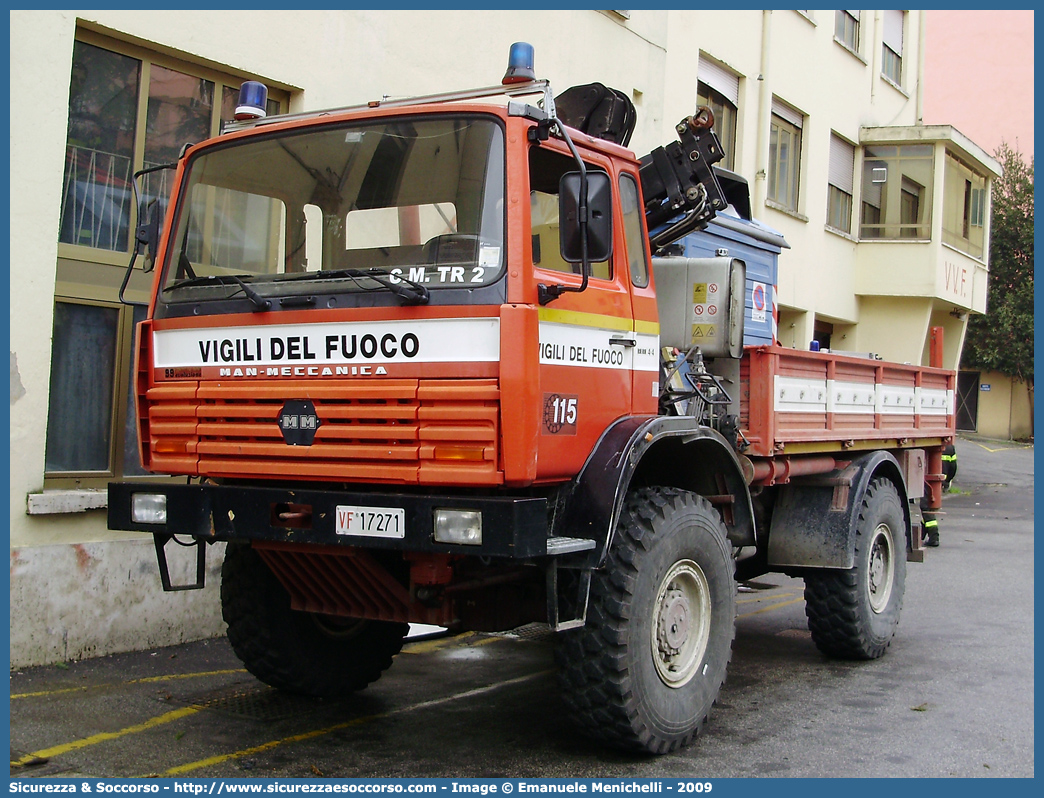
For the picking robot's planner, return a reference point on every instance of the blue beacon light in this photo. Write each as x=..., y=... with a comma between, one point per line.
x=520, y=64
x=253, y=101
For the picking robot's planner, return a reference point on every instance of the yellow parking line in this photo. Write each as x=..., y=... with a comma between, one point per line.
x=424, y=646
x=145, y=680
x=309, y=735
x=94, y=739
x=771, y=607
x=420, y=647
x=257, y=749
x=766, y=598
x=148, y=679
x=177, y=714
x=1002, y=448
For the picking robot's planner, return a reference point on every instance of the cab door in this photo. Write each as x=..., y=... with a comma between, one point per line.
x=587, y=340
x=633, y=239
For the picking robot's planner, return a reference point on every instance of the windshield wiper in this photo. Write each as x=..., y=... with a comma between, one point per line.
x=259, y=302
x=409, y=291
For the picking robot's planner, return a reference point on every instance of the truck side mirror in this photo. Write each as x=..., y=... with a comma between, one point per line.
x=599, y=217
x=148, y=234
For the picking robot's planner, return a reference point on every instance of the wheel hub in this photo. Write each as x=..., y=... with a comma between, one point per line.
x=681, y=625
x=674, y=622
x=880, y=569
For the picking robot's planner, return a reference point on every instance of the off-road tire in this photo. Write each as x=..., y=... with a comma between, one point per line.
x=632, y=677
x=299, y=652
x=853, y=614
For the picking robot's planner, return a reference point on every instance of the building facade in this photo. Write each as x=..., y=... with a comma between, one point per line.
x=991, y=404
x=887, y=218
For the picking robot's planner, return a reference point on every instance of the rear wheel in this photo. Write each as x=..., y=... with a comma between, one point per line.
x=645, y=670
x=854, y=613
x=300, y=652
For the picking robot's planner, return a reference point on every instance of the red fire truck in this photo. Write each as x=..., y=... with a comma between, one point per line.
x=421, y=362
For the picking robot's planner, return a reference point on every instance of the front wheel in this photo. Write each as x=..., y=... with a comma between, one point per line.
x=299, y=652
x=853, y=614
x=645, y=670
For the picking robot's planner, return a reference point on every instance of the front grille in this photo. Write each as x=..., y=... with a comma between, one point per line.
x=389, y=431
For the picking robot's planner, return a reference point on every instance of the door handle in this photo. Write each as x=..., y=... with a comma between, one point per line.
x=621, y=340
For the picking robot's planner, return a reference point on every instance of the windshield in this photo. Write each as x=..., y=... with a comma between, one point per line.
x=414, y=200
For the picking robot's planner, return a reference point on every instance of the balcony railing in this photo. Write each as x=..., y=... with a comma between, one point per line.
x=97, y=198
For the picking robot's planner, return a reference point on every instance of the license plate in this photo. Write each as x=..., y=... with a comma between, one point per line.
x=374, y=522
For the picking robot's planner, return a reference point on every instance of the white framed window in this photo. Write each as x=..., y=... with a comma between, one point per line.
x=784, y=155
x=841, y=169
x=964, y=207
x=896, y=200
x=846, y=29
x=892, y=46
x=718, y=89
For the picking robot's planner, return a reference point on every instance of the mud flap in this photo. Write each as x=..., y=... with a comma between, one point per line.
x=815, y=518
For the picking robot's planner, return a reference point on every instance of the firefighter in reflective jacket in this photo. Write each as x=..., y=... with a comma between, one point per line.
x=931, y=520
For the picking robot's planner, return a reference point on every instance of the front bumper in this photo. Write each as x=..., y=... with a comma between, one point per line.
x=513, y=527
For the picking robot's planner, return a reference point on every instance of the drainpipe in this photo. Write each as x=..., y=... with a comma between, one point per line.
x=875, y=56
x=922, y=20
x=764, y=116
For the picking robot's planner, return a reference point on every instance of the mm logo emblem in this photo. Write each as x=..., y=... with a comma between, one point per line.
x=298, y=422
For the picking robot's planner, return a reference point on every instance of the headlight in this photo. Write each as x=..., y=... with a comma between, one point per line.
x=458, y=526
x=149, y=508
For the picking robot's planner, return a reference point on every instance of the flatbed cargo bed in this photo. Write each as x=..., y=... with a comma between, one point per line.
x=796, y=402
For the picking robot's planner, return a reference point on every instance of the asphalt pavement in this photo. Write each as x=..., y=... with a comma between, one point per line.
x=953, y=697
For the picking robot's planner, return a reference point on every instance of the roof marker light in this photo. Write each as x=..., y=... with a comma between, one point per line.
x=520, y=64
x=253, y=101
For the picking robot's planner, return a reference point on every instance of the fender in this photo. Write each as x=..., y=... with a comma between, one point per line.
x=636, y=451
x=814, y=519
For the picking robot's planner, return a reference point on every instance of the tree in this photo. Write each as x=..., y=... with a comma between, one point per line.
x=1002, y=339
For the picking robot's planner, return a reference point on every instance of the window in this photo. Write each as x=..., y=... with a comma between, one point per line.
x=784, y=156
x=724, y=121
x=632, y=225
x=288, y=211
x=83, y=369
x=129, y=108
x=964, y=207
x=897, y=189
x=546, y=168
x=822, y=332
x=839, y=188
x=892, y=48
x=911, y=200
x=718, y=89
x=846, y=29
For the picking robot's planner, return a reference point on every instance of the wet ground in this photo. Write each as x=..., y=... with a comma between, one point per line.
x=953, y=696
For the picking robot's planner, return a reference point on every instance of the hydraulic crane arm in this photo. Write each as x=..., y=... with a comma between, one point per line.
x=679, y=181
x=682, y=192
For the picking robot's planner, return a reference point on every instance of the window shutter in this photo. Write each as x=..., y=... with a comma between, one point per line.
x=720, y=79
x=893, y=30
x=787, y=113
x=842, y=164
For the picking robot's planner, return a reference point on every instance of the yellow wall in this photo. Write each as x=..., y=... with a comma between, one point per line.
x=1006, y=410
x=892, y=327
